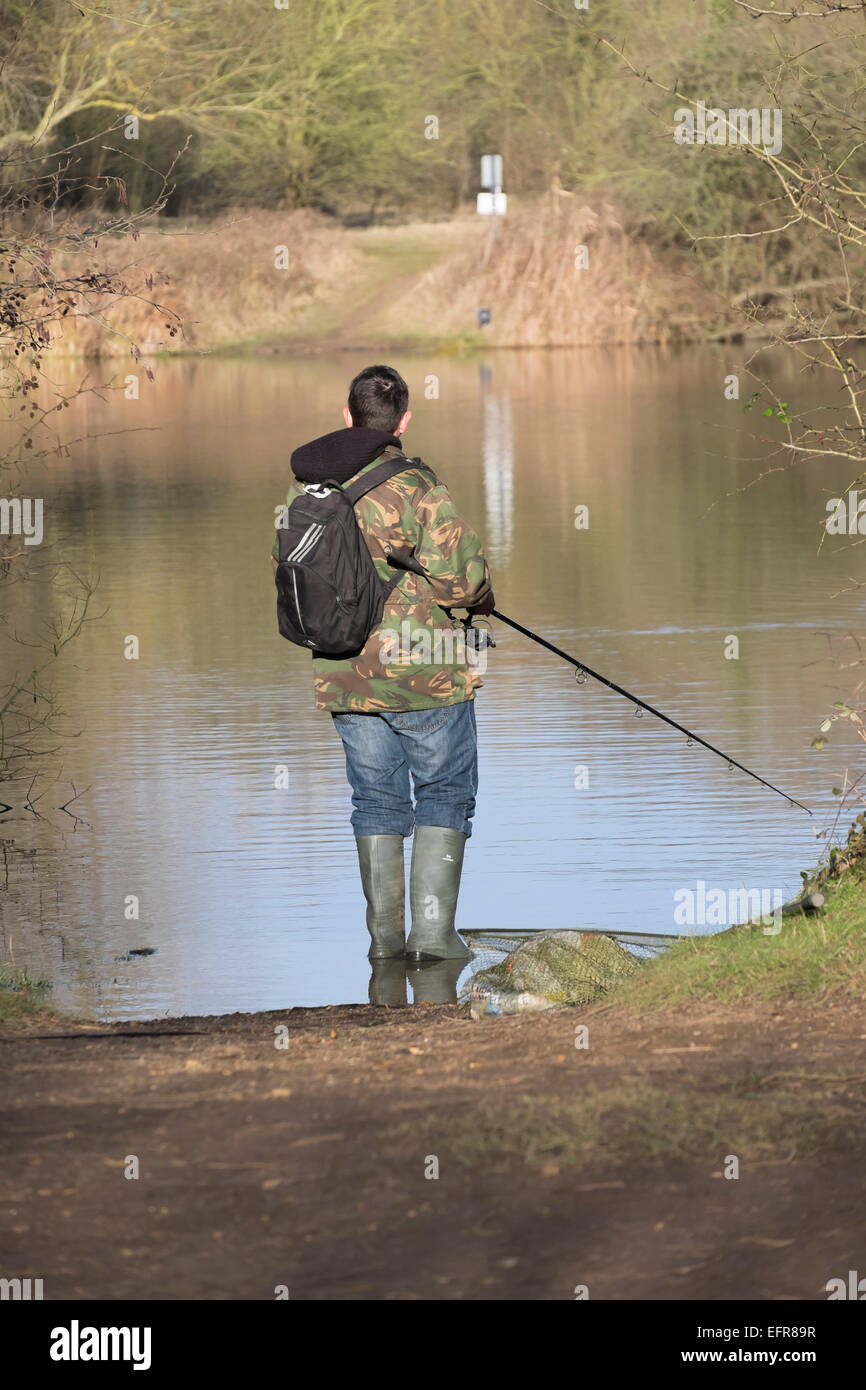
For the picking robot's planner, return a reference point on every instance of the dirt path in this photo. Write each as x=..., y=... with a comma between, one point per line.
x=558, y=1166
x=389, y=263
x=358, y=329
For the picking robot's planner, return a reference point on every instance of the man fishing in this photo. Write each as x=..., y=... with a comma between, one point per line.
x=400, y=712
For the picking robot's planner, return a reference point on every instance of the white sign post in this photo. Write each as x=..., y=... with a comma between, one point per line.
x=492, y=202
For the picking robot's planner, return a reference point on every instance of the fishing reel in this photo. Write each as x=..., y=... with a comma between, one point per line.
x=477, y=638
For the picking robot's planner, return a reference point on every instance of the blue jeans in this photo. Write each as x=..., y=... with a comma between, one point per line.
x=439, y=747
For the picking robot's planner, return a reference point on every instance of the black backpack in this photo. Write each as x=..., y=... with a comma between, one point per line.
x=329, y=594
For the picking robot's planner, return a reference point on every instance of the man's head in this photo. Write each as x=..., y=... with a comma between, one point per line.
x=378, y=400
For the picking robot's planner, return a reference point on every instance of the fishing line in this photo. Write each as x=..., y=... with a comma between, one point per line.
x=641, y=705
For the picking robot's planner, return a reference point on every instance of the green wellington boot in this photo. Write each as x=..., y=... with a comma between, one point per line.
x=383, y=877
x=434, y=882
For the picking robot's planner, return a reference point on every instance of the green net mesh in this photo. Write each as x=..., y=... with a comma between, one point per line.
x=566, y=967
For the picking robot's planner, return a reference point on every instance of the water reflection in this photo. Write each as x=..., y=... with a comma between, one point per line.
x=498, y=477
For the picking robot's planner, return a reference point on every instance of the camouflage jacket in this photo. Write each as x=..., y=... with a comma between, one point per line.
x=416, y=658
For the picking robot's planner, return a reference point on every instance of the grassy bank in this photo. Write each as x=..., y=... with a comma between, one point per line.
x=812, y=957
x=22, y=995
x=559, y=272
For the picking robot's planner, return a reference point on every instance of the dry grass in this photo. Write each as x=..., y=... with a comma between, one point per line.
x=417, y=284
x=628, y=293
x=218, y=278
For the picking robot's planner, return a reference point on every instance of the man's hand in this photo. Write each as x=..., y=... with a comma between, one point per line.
x=485, y=607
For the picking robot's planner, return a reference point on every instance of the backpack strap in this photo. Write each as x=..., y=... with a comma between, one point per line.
x=361, y=486
x=389, y=469
x=389, y=585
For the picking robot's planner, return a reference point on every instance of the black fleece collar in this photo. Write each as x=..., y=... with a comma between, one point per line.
x=340, y=455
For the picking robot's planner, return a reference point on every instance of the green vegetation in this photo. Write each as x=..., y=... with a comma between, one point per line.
x=21, y=995
x=812, y=956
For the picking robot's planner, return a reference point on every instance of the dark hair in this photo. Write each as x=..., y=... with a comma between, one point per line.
x=378, y=398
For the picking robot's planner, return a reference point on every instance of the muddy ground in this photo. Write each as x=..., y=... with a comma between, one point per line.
x=558, y=1166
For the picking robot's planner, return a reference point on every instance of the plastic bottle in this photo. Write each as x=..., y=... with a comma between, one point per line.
x=484, y=1000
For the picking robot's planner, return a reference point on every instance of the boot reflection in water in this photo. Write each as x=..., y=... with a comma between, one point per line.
x=436, y=982
x=388, y=982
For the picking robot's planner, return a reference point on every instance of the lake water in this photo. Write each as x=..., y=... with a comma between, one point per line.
x=248, y=894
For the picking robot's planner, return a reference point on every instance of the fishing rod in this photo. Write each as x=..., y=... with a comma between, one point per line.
x=583, y=671
x=405, y=560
